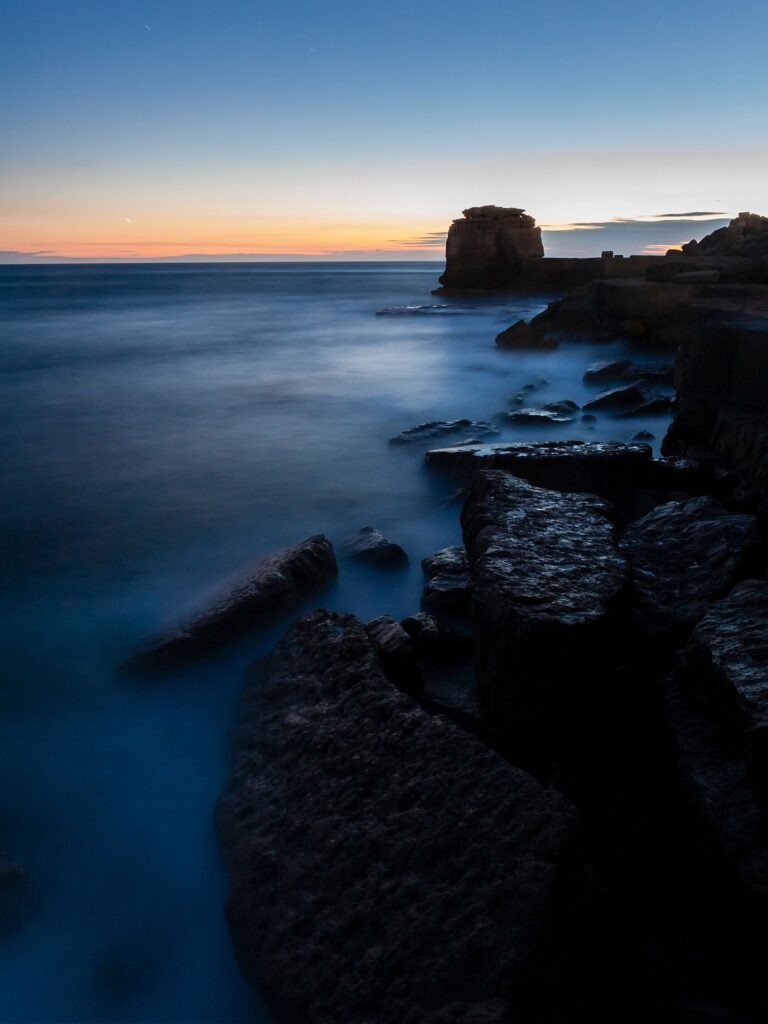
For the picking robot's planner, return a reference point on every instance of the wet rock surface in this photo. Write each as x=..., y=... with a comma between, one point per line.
x=612, y=470
x=547, y=584
x=448, y=582
x=726, y=661
x=437, y=428
x=683, y=556
x=384, y=864
x=396, y=652
x=369, y=545
x=277, y=584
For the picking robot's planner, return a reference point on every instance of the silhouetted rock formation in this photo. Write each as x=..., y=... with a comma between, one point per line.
x=486, y=249
x=371, y=546
x=746, y=236
x=386, y=866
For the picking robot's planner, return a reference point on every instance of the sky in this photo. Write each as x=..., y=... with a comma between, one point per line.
x=333, y=129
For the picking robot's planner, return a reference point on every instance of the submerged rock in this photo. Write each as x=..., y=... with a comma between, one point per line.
x=371, y=546
x=684, y=555
x=436, y=428
x=726, y=661
x=384, y=864
x=540, y=416
x=606, y=370
x=619, y=398
x=448, y=583
x=546, y=586
x=17, y=899
x=277, y=584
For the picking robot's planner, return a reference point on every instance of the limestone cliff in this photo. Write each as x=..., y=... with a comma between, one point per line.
x=487, y=248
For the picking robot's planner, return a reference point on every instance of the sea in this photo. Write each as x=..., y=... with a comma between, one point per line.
x=164, y=427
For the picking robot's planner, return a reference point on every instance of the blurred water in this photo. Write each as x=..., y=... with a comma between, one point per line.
x=164, y=427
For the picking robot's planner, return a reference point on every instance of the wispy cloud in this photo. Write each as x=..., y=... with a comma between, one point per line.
x=4, y=253
x=696, y=213
x=432, y=240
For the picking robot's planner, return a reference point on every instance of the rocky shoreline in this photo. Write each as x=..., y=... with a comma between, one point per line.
x=577, y=831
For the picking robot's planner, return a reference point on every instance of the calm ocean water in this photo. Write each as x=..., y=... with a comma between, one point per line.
x=164, y=427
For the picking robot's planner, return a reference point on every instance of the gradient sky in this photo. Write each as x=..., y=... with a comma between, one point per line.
x=170, y=127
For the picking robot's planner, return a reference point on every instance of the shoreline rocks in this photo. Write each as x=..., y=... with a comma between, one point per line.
x=369, y=545
x=384, y=864
x=277, y=584
x=547, y=588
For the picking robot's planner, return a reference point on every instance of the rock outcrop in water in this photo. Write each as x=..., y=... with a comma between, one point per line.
x=487, y=247
x=385, y=865
x=276, y=585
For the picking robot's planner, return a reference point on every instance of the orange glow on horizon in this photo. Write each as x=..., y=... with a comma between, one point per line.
x=162, y=237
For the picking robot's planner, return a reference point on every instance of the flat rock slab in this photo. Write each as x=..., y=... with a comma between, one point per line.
x=547, y=583
x=612, y=470
x=727, y=661
x=448, y=583
x=683, y=556
x=437, y=428
x=386, y=866
x=276, y=584
x=371, y=546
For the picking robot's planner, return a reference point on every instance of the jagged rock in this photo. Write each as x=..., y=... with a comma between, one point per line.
x=643, y=435
x=628, y=395
x=746, y=236
x=448, y=584
x=607, y=370
x=384, y=864
x=612, y=470
x=276, y=585
x=727, y=662
x=577, y=311
x=522, y=336
x=713, y=778
x=369, y=545
x=486, y=249
x=436, y=428
x=651, y=406
x=397, y=654
x=683, y=556
x=547, y=581
x=433, y=640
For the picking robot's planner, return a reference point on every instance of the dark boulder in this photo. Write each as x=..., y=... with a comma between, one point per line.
x=540, y=416
x=606, y=370
x=726, y=660
x=611, y=470
x=433, y=640
x=652, y=405
x=628, y=395
x=369, y=545
x=396, y=653
x=683, y=556
x=437, y=428
x=522, y=336
x=276, y=585
x=448, y=584
x=547, y=583
x=384, y=864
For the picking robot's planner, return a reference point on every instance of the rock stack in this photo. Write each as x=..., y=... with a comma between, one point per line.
x=486, y=249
